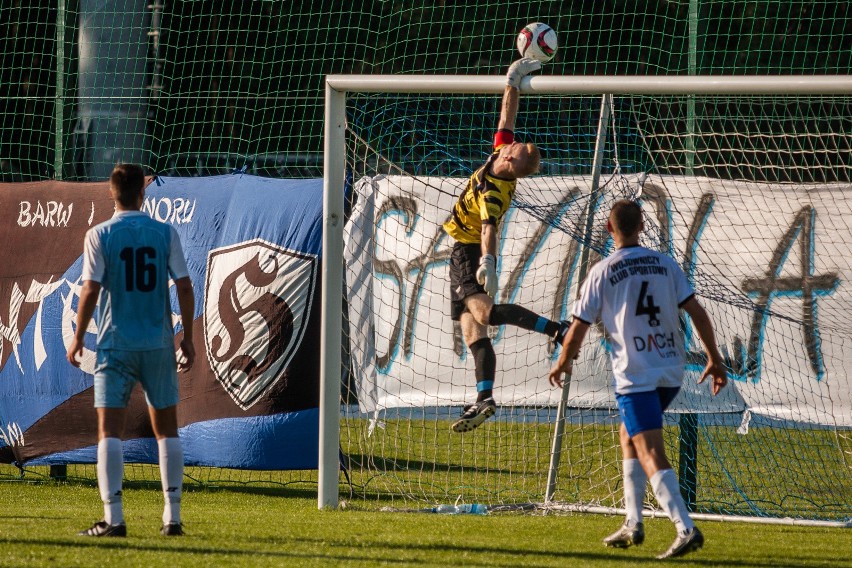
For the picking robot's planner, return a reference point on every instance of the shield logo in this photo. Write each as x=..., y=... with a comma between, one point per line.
x=256, y=304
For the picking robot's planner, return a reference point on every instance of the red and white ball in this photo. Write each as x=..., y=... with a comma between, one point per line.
x=537, y=40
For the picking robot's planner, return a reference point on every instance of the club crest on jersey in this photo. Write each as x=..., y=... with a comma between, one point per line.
x=256, y=305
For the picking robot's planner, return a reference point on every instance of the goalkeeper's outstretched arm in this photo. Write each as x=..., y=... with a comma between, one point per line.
x=511, y=95
x=509, y=108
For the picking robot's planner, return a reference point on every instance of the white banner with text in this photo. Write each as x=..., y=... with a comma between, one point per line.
x=770, y=262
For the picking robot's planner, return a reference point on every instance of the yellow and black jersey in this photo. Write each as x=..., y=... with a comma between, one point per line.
x=485, y=199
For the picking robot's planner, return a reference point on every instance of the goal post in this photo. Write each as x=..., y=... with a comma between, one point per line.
x=334, y=369
x=334, y=150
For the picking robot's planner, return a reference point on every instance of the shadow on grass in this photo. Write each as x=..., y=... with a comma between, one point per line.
x=492, y=555
x=262, y=490
x=35, y=517
x=356, y=461
x=122, y=544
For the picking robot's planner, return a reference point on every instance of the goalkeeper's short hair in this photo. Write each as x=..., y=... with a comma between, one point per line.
x=533, y=163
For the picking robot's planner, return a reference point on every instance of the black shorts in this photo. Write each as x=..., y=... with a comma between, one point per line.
x=464, y=263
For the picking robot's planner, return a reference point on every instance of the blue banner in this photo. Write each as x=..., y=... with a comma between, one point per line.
x=253, y=248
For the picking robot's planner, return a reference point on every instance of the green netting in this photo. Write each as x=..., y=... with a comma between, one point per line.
x=197, y=88
x=746, y=203
x=202, y=87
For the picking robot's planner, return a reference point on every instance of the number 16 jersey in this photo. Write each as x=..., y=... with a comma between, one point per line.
x=637, y=294
x=133, y=256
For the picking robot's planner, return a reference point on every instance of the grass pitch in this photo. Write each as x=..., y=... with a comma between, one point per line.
x=776, y=472
x=235, y=518
x=281, y=526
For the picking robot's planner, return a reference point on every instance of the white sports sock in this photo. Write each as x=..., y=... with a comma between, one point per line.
x=110, y=476
x=171, y=474
x=634, y=490
x=667, y=492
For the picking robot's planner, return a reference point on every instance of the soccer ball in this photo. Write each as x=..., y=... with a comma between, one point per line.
x=538, y=41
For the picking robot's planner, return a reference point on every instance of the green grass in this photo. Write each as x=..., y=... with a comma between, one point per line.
x=782, y=472
x=274, y=526
x=238, y=518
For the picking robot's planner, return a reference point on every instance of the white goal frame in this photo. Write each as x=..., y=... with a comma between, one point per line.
x=336, y=89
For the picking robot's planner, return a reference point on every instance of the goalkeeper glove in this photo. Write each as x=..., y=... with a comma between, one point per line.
x=520, y=69
x=486, y=274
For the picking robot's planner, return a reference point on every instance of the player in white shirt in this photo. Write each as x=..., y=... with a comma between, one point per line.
x=127, y=263
x=637, y=294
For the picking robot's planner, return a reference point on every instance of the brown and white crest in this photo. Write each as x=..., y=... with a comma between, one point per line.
x=256, y=305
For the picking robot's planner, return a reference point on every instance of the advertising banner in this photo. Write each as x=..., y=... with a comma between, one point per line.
x=770, y=263
x=253, y=250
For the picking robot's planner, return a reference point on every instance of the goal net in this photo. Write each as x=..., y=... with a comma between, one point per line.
x=748, y=192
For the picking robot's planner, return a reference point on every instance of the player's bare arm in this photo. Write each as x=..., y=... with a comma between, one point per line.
x=704, y=326
x=570, y=350
x=509, y=112
x=85, y=310
x=489, y=239
x=509, y=108
x=186, y=302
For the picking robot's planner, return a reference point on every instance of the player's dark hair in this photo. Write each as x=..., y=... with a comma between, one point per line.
x=127, y=181
x=626, y=217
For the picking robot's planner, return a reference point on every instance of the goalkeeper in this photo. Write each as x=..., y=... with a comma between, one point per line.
x=637, y=294
x=473, y=274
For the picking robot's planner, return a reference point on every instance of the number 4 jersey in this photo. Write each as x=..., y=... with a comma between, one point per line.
x=637, y=294
x=132, y=257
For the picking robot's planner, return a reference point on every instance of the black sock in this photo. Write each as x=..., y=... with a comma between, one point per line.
x=485, y=362
x=512, y=314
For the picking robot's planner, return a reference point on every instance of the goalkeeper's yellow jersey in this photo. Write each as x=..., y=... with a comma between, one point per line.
x=485, y=199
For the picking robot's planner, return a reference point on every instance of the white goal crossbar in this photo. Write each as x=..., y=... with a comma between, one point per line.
x=336, y=88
